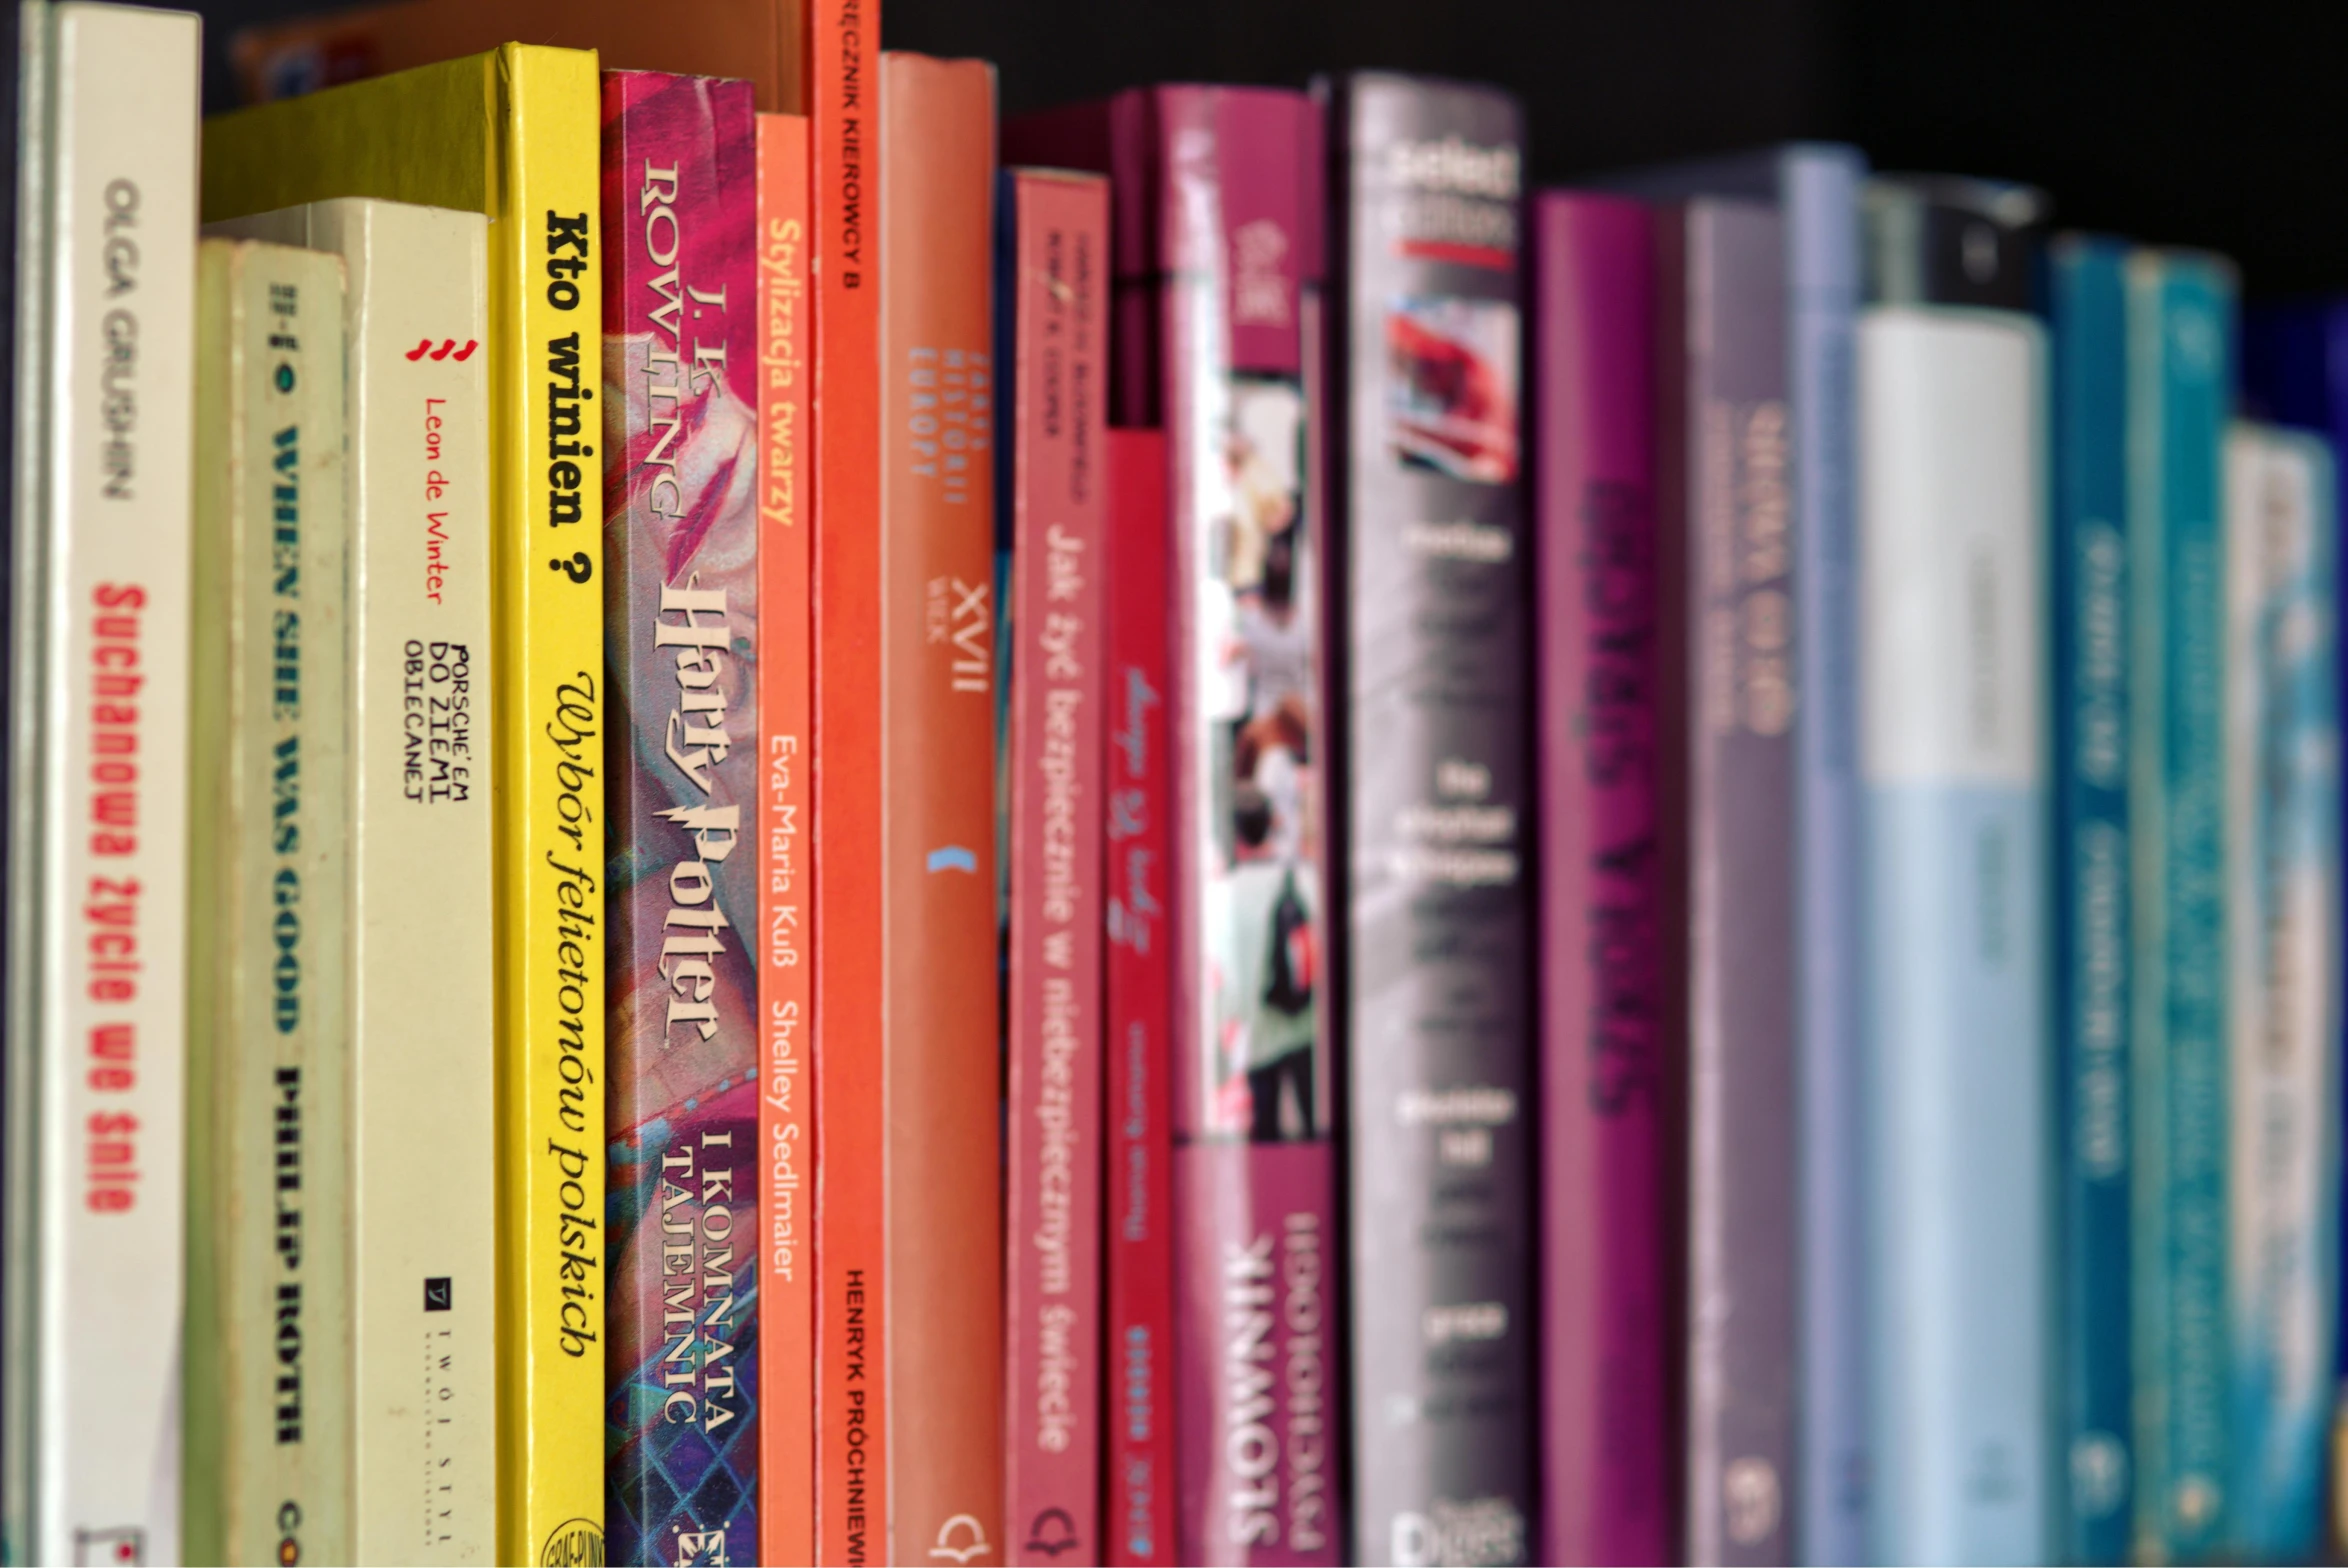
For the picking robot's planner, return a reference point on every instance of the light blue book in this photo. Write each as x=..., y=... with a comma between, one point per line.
x=1952, y=445
x=2282, y=812
x=2180, y=384
x=1816, y=186
x=2089, y=934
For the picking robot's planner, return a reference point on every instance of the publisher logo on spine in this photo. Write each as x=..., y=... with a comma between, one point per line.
x=1751, y=1494
x=124, y=1545
x=575, y=1543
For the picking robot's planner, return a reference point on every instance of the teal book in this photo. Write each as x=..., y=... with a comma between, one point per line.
x=2088, y=933
x=2181, y=310
x=1952, y=512
x=2282, y=827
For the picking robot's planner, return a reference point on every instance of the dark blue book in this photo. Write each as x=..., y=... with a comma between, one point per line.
x=2090, y=925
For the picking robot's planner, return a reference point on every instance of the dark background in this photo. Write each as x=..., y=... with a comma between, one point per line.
x=2203, y=124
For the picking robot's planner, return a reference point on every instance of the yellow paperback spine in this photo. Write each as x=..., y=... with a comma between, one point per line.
x=546, y=637
x=514, y=134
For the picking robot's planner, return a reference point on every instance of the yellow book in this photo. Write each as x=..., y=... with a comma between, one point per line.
x=514, y=135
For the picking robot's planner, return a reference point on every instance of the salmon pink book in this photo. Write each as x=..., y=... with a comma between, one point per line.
x=1055, y=280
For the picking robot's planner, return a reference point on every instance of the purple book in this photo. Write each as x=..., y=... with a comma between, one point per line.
x=1726, y=666
x=1218, y=269
x=680, y=444
x=1610, y=1036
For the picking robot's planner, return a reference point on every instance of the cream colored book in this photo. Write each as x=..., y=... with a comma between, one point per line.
x=97, y=1013
x=268, y=1448
x=514, y=134
x=424, y=1028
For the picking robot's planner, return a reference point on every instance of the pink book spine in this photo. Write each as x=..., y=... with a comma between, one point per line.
x=1059, y=283
x=1239, y=215
x=1139, y=1450
x=1606, y=1396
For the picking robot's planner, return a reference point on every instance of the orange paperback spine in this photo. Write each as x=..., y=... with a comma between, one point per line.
x=941, y=1030
x=786, y=973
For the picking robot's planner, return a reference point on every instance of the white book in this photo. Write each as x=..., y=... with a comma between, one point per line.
x=1951, y=434
x=423, y=1151
x=26, y=663
x=100, y=1040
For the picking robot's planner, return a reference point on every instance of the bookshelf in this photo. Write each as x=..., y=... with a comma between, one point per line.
x=2187, y=123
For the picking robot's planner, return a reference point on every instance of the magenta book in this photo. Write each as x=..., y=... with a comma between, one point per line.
x=680, y=442
x=1218, y=270
x=1606, y=1033
x=1056, y=238
x=1138, y=1453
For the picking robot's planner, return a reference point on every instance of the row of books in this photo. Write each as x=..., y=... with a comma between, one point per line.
x=1238, y=846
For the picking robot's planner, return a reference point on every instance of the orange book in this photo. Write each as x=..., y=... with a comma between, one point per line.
x=942, y=1043
x=762, y=40
x=786, y=972
x=851, y=1232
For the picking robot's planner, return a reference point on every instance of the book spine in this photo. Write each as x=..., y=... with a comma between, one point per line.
x=1819, y=187
x=109, y=1009
x=1055, y=376
x=2180, y=352
x=942, y=1045
x=2295, y=370
x=2333, y=329
x=786, y=979
x=851, y=1339
x=2283, y=806
x=1238, y=226
x=27, y=75
x=1138, y=1451
x=1437, y=768
x=268, y=1446
x=1726, y=420
x=20, y=646
x=2089, y=931
x=1952, y=438
x=422, y=973
x=680, y=452
x=1607, y=1044
x=547, y=695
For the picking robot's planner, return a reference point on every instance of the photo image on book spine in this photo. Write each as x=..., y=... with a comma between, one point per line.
x=1260, y=902
x=1451, y=393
